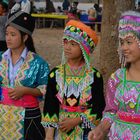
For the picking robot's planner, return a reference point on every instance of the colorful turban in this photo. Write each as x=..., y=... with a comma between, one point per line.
x=83, y=35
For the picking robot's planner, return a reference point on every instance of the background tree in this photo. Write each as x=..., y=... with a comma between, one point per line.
x=112, y=10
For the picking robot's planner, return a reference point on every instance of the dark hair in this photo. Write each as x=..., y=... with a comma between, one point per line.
x=97, y=7
x=76, y=3
x=29, y=42
x=4, y=6
x=127, y=66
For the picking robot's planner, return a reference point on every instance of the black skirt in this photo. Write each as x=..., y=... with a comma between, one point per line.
x=33, y=129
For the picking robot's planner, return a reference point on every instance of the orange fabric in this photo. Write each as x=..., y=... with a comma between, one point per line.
x=91, y=33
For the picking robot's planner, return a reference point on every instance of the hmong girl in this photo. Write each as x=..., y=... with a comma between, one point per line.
x=121, y=119
x=74, y=100
x=23, y=77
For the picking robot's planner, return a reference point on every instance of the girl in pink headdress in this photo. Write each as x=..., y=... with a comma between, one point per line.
x=121, y=119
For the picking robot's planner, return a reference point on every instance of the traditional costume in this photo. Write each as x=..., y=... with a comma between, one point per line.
x=75, y=93
x=20, y=119
x=123, y=96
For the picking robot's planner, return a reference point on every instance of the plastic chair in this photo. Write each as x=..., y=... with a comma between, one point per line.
x=84, y=17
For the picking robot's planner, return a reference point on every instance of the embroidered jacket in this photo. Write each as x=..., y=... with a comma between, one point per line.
x=123, y=107
x=73, y=96
x=33, y=73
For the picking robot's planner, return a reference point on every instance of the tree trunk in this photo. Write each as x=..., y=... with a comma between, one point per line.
x=112, y=10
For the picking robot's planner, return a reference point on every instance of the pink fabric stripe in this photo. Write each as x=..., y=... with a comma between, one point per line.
x=25, y=101
x=73, y=109
x=135, y=18
x=129, y=117
x=86, y=49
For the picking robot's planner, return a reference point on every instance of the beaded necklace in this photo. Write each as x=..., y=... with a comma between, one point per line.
x=75, y=71
x=72, y=79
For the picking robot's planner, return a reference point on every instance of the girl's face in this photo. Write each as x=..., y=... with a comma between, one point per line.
x=72, y=49
x=130, y=49
x=13, y=38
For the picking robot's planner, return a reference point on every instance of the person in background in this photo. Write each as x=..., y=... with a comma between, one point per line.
x=74, y=13
x=21, y=5
x=33, y=7
x=66, y=5
x=74, y=100
x=91, y=14
x=17, y=5
x=98, y=10
x=11, y=4
x=3, y=18
x=50, y=7
x=121, y=119
x=59, y=10
x=23, y=78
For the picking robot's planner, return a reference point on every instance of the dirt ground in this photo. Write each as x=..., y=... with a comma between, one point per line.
x=48, y=43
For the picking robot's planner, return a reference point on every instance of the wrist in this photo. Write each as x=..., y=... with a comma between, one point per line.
x=76, y=121
x=105, y=126
x=49, y=133
x=24, y=90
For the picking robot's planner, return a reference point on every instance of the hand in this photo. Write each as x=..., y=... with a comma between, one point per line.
x=49, y=133
x=69, y=123
x=96, y=134
x=49, y=138
x=16, y=93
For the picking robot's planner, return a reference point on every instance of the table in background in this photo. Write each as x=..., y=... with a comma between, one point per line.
x=41, y=18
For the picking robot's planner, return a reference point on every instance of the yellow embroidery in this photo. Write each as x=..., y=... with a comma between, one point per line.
x=57, y=87
x=131, y=105
x=71, y=102
x=52, y=75
x=47, y=118
x=98, y=75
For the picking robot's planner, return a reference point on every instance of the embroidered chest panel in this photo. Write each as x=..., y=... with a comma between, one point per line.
x=74, y=88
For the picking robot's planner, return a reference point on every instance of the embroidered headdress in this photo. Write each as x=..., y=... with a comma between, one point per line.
x=129, y=25
x=83, y=35
x=21, y=19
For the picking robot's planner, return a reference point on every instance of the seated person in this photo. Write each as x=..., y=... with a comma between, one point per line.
x=59, y=10
x=74, y=13
x=49, y=7
x=91, y=14
x=65, y=6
